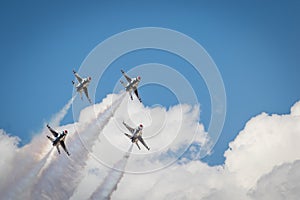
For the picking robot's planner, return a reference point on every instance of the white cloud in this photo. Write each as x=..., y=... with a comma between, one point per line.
x=283, y=182
x=266, y=141
x=167, y=135
x=8, y=146
x=261, y=158
x=35, y=170
x=295, y=110
x=194, y=180
x=179, y=123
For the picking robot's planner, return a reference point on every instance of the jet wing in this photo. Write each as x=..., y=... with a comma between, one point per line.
x=77, y=76
x=62, y=143
x=143, y=142
x=126, y=76
x=54, y=133
x=87, y=94
x=129, y=128
x=137, y=94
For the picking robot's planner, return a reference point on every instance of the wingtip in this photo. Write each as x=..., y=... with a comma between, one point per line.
x=74, y=71
x=122, y=71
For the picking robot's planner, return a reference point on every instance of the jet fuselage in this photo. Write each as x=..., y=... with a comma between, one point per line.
x=133, y=84
x=136, y=135
x=59, y=138
x=85, y=82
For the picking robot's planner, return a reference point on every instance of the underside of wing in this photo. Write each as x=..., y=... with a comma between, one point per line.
x=87, y=94
x=126, y=76
x=128, y=127
x=79, y=79
x=50, y=138
x=143, y=142
x=62, y=143
x=54, y=133
x=137, y=94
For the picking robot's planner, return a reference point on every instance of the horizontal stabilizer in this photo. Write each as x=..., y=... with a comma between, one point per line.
x=128, y=135
x=51, y=139
x=124, y=84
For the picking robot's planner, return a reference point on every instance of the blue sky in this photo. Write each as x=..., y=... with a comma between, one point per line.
x=254, y=44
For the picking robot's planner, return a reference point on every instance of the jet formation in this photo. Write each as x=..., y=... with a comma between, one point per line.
x=82, y=86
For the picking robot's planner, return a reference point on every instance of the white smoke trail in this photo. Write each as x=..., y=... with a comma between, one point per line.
x=111, y=181
x=22, y=187
x=62, y=176
x=56, y=119
x=30, y=160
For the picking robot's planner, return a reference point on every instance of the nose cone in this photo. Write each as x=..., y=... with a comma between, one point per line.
x=89, y=78
x=141, y=126
x=139, y=78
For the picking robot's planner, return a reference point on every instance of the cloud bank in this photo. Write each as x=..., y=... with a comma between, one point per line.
x=268, y=144
x=263, y=161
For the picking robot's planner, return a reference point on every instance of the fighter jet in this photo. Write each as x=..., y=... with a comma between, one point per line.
x=131, y=85
x=136, y=135
x=59, y=139
x=82, y=85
